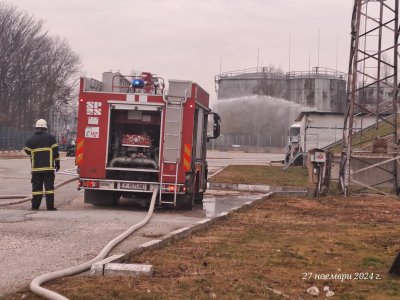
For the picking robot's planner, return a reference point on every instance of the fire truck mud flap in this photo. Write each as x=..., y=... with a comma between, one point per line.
x=103, y=198
x=185, y=201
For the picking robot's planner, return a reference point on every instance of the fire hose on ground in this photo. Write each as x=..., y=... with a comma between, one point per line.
x=25, y=198
x=35, y=285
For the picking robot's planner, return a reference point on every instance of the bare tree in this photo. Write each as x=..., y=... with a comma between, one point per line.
x=270, y=81
x=37, y=72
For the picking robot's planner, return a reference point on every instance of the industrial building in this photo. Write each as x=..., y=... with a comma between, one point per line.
x=320, y=89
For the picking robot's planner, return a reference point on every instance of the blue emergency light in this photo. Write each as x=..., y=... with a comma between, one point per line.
x=138, y=83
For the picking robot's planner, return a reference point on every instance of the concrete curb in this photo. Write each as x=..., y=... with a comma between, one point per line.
x=8, y=152
x=116, y=269
x=12, y=154
x=97, y=269
x=219, y=171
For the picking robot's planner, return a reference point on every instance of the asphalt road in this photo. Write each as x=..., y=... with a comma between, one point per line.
x=34, y=243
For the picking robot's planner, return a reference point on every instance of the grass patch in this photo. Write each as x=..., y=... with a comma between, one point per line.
x=292, y=245
x=268, y=175
x=372, y=262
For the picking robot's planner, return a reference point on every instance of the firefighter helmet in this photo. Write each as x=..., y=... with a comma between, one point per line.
x=41, y=123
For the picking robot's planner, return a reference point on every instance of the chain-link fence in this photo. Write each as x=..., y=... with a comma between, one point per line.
x=258, y=143
x=13, y=139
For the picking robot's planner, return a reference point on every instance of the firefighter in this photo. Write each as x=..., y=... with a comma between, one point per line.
x=43, y=150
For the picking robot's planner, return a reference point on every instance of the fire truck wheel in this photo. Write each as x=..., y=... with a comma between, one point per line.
x=198, y=197
x=103, y=198
x=185, y=202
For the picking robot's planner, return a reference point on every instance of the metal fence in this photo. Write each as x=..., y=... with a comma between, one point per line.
x=13, y=139
x=259, y=143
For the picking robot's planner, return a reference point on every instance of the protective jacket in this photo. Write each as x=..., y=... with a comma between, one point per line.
x=43, y=150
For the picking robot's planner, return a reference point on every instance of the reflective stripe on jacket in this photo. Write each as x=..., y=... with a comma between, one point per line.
x=43, y=150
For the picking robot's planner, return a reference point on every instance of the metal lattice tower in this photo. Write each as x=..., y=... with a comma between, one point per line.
x=372, y=90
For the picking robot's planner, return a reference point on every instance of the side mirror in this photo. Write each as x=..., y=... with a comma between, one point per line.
x=216, y=131
x=216, y=127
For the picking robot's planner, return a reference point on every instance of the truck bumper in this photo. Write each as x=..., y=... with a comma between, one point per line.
x=129, y=186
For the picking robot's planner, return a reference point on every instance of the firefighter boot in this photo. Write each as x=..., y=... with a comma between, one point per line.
x=36, y=200
x=50, y=202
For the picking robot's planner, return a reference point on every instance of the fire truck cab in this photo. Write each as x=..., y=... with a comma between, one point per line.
x=133, y=136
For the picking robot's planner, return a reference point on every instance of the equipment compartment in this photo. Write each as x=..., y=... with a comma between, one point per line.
x=134, y=141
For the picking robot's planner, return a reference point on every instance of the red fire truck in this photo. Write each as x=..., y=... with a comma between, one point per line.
x=133, y=135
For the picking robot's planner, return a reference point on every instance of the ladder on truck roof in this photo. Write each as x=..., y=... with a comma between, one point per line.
x=172, y=142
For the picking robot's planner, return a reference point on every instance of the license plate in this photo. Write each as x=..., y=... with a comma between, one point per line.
x=132, y=186
x=106, y=185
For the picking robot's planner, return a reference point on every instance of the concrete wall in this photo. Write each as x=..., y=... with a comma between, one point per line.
x=374, y=175
x=318, y=129
x=233, y=88
x=369, y=177
x=322, y=130
x=323, y=94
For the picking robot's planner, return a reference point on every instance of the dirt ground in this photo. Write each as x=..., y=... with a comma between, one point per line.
x=283, y=244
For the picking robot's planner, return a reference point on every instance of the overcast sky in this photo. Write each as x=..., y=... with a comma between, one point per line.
x=194, y=39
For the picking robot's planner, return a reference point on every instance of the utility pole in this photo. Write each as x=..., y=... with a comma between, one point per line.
x=290, y=49
x=374, y=34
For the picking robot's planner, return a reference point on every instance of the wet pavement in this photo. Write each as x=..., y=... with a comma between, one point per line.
x=214, y=206
x=34, y=243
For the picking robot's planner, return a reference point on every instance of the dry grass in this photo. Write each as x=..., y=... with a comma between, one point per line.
x=268, y=175
x=283, y=243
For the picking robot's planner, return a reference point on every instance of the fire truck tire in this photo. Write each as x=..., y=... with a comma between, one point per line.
x=103, y=198
x=198, y=198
